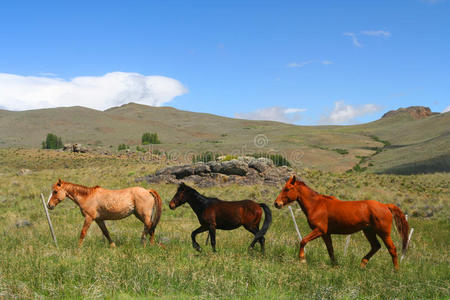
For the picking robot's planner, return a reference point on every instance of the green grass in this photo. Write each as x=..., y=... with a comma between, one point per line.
x=31, y=266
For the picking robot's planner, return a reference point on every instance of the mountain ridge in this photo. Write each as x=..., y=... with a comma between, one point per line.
x=190, y=132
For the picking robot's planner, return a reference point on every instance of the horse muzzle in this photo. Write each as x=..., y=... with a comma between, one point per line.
x=278, y=205
x=51, y=207
x=172, y=205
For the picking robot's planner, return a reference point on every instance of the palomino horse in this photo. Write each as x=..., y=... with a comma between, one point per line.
x=213, y=214
x=99, y=204
x=327, y=215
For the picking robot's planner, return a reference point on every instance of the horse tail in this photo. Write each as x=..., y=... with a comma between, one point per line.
x=266, y=224
x=401, y=224
x=158, y=205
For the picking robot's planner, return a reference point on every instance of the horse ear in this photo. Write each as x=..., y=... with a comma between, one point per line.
x=59, y=182
x=293, y=179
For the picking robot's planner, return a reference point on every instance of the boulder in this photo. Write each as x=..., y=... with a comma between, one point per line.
x=23, y=172
x=234, y=167
x=260, y=164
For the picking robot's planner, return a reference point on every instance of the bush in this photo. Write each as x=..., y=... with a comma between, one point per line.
x=123, y=147
x=150, y=138
x=341, y=151
x=52, y=142
x=205, y=157
x=141, y=149
x=278, y=159
x=229, y=157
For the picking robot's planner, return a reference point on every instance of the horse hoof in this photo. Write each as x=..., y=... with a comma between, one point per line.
x=303, y=260
x=363, y=263
x=112, y=245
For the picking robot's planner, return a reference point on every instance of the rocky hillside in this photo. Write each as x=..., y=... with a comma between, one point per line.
x=415, y=112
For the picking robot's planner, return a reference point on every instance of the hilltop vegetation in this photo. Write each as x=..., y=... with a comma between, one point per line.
x=415, y=145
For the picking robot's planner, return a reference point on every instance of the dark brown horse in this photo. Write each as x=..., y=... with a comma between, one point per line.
x=327, y=215
x=99, y=204
x=213, y=214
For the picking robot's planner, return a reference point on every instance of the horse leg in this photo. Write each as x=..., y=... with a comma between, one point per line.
x=311, y=236
x=262, y=242
x=105, y=231
x=329, y=243
x=148, y=228
x=392, y=250
x=146, y=219
x=212, y=233
x=254, y=231
x=87, y=223
x=194, y=233
x=374, y=243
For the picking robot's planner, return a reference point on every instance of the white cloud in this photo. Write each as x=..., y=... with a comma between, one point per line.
x=99, y=92
x=273, y=113
x=343, y=113
x=447, y=109
x=354, y=39
x=326, y=62
x=380, y=33
x=298, y=65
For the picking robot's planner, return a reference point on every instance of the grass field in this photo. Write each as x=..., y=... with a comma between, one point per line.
x=32, y=267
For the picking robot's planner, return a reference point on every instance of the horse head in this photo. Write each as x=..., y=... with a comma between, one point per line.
x=288, y=194
x=180, y=197
x=58, y=195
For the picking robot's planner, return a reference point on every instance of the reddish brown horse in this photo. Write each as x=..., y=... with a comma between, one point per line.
x=99, y=204
x=213, y=214
x=327, y=215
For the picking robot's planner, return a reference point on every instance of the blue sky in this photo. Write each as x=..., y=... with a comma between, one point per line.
x=305, y=62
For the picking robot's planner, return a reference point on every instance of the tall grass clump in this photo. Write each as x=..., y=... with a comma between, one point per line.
x=278, y=159
x=205, y=157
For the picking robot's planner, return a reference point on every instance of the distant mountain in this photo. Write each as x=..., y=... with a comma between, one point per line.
x=411, y=140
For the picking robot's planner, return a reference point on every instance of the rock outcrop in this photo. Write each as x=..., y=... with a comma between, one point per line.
x=76, y=148
x=244, y=170
x=416, y=112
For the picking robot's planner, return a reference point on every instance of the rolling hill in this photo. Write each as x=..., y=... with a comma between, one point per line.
x=402, y=142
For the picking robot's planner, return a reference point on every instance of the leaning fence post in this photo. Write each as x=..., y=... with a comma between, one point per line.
x=295, y=224
x=407, y=244
x=48, y=218
x=347, y=241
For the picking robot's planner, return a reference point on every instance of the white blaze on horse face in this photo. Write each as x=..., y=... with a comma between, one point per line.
x=49, y=197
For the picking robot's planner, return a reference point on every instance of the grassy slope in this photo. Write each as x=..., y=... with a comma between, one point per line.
x=32, y=266
x=187, y=133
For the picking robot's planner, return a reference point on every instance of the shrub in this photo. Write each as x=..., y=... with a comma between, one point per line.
x=150, y=138
x=229, y=157
x=141, y=149
x=123, y=147
x=341, y=151
x=52, y=142
x=278, y=159
x=205, y=157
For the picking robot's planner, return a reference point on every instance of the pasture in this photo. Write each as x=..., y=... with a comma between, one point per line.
x=32, y=267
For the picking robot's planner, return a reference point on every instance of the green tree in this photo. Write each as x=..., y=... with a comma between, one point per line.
x=150, y=138
x=52, y=142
